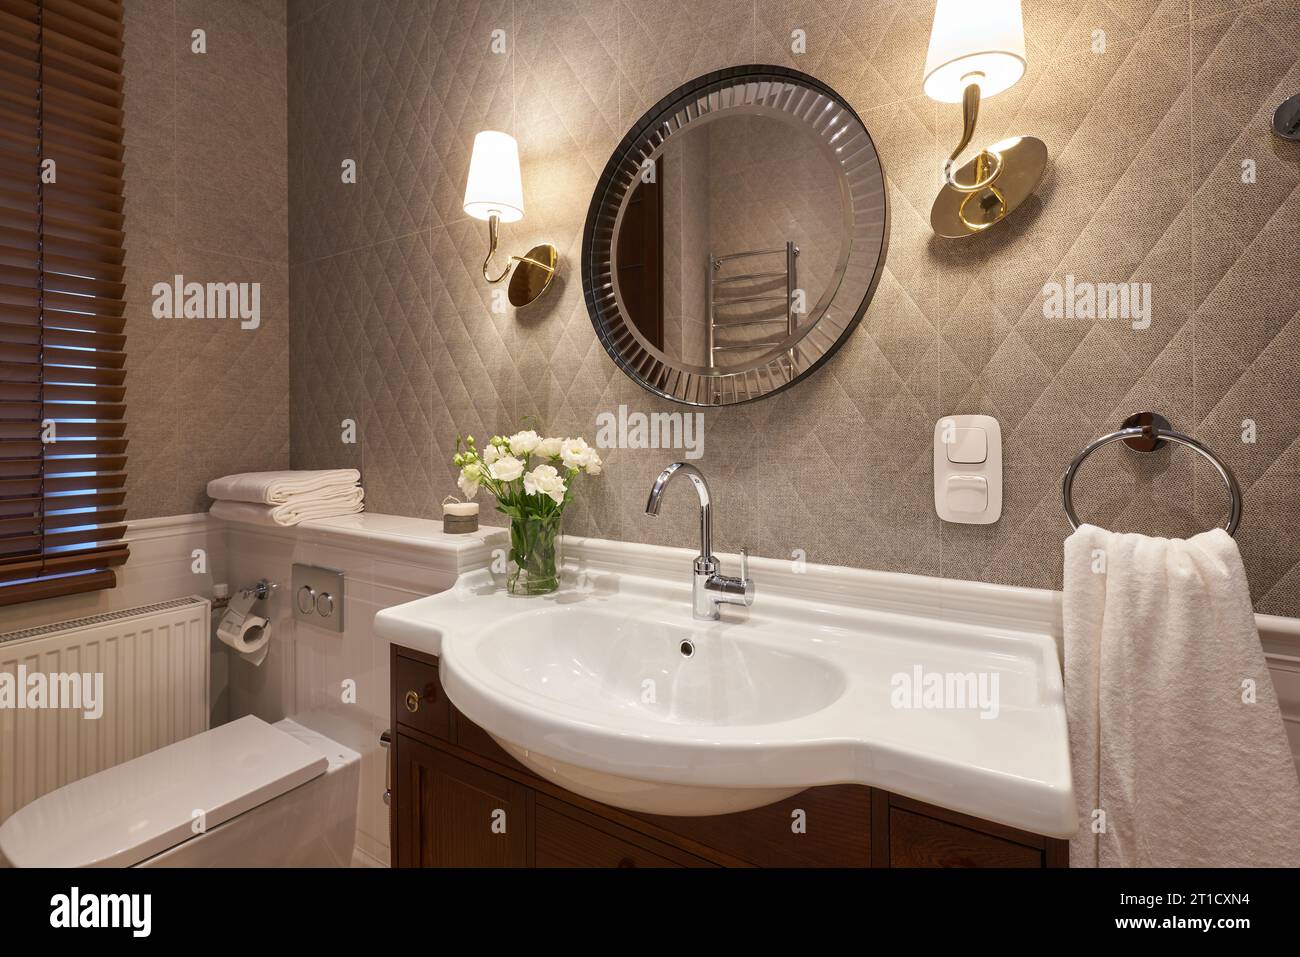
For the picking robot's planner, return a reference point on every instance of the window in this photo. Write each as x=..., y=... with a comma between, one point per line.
x=62, y=364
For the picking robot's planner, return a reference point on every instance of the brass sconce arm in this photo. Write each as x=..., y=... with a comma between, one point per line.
x=989, y=167
x=536, y=271
x=493, y=222
x=1000, y=177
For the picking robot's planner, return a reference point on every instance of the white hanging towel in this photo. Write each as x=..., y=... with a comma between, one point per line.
x=1175, y=733
x=276, y=488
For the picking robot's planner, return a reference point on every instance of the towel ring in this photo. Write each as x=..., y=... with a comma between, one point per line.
x=1146, y=432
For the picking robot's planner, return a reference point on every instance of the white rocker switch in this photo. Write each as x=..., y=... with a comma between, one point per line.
x=969, y=446
x=968, y=469
x=968, y=494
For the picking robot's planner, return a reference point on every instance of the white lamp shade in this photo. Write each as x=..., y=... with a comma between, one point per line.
x=494, y=186
x=986, y=37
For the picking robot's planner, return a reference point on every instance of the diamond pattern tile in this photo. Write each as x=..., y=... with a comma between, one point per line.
x=398, y=166
x=207, y=193
x=393, y=324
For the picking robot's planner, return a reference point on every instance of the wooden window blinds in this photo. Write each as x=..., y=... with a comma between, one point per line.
x=62, y=364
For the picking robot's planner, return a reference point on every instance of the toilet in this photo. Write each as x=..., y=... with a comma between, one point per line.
x=245, y=794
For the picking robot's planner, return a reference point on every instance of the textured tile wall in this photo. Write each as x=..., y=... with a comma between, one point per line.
x=206, y=197
x=391, y=325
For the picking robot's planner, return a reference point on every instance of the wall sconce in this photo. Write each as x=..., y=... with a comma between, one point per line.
x=494, y=191
x=978, y=50
x=1286, y=119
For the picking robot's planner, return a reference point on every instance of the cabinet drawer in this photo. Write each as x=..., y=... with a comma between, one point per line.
x=418, y=698
x=569, y=837
x=919, y=841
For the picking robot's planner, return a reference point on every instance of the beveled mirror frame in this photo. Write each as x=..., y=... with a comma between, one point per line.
x=748, y=89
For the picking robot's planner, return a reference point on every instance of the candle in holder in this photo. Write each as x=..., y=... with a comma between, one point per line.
x=459, y=517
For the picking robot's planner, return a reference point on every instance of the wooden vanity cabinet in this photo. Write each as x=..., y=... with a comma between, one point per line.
x=455, y=814
x=459, y=800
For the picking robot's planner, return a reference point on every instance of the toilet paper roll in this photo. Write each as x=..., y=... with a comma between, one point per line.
x=248, y=634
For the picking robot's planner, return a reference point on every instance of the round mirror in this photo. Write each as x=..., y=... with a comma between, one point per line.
x=735, y=237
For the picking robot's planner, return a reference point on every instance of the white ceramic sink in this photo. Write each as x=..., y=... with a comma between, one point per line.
x=610, y=689
x=647, y=670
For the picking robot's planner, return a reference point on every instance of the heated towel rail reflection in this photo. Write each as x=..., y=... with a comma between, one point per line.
x=751, y=289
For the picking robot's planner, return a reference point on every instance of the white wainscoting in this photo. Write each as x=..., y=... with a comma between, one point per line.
x=386, y=561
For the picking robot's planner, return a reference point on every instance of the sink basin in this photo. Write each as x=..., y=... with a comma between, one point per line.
x=654, y=671
x=611, y=689
x=628, y=676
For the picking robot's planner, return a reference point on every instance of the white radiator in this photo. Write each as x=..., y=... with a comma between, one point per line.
x=154, y=662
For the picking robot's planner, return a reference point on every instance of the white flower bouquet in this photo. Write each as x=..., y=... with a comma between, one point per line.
x=534, y=498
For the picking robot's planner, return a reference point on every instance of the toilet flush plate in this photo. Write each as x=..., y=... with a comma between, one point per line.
x=317, y=597
x=968, y=469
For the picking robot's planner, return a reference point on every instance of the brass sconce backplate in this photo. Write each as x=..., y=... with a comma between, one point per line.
x=533, y=274
x=957, y=214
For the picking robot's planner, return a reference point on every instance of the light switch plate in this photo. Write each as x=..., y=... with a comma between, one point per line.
x=959, y=434
x=317, y=597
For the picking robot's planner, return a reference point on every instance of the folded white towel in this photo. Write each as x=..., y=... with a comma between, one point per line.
x=1161, y=654
x=300, y=508
x=276, y=488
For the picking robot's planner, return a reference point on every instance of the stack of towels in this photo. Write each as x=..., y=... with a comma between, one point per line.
x=286, y=498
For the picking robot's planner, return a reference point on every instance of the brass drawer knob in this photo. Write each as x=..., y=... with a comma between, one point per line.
x=412, y=701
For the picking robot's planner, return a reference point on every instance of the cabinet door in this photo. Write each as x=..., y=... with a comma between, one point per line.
x=916, y=840
x=453, y=814
x=821, y=827
x=570, y=837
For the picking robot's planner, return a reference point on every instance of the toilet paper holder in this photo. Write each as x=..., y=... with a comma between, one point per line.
x=243, y=630
x=261, y=590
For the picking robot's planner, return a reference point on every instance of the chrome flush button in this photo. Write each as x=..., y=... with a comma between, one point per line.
x=318, y=597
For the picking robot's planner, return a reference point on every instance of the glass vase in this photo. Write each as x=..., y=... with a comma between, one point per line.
x=535, y=558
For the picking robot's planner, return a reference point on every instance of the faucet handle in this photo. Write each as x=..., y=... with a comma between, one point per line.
x=744, y=562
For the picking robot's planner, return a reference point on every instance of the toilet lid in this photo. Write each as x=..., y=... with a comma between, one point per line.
x=129, y=813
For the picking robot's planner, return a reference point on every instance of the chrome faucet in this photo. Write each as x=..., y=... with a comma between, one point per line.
x=710, y=589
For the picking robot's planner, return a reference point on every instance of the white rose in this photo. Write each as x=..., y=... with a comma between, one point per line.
x=549, y=448
x=593, y=463
x=576, y=453
x=521, y=443
x=506, y=469
x=491, y=454
x=547, y=481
